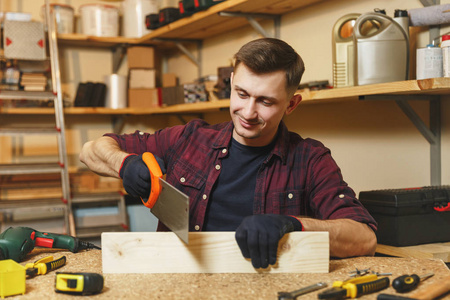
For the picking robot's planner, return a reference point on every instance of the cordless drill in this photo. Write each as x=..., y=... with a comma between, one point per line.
x=16, y=243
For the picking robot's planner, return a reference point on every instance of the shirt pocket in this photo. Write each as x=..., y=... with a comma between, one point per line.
x=285, y=203
x=184, y=175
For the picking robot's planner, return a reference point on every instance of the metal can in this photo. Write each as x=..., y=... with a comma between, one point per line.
x=429, y=62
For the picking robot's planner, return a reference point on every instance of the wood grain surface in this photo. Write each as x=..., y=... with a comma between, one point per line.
x=208, y=252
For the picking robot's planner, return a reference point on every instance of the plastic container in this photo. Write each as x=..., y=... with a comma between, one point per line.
x=134, y=13
x=343, y=50
x=64, y=15
x=445, y=46
x=381, y=50
x=99, y=20
x=12, y=278
x=428, y=62
x=411, y=216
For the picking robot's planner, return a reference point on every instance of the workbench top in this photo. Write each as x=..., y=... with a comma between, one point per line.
x=218, y=286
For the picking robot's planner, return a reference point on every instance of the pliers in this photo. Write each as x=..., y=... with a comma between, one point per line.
x=44, y=265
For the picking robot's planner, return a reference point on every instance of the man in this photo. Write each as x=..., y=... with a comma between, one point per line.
x=250, y=174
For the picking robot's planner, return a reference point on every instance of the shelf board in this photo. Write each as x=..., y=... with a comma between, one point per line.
x=201, y=25
x=208, y=23
x=82, y=40
x=434, y=86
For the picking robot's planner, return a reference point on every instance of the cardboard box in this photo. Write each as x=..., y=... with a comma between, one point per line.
x=143, y=98
x=169, y=80
x=186, y=93
x=140, y=57
x=173, y=95
x=142, y=79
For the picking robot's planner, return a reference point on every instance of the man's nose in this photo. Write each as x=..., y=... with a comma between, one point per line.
x=249, y=110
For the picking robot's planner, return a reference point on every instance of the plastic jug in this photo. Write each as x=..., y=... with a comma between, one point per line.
x=343, y=52
x=381, y=50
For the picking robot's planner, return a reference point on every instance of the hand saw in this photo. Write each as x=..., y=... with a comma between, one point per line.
x=167, y=203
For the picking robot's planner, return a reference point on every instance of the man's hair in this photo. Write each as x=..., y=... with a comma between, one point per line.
x=268, y=55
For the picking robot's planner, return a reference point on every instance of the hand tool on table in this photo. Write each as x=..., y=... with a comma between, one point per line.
x=79, y=283
x=44, y=265
x=392, y=297
x=434, y=290
x=167, y=203
x=293, y=295
x=355, y=287
x=17, y=242
x=406, y=283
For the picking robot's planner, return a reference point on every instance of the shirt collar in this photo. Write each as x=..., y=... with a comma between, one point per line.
x=281, y=145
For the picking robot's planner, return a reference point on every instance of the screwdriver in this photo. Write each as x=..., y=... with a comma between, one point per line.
x=406, y=283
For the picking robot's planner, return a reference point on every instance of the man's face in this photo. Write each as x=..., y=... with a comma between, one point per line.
x=258, y=103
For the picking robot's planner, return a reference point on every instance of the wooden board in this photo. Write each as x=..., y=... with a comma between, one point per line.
x=435, y=251
x=208, y=252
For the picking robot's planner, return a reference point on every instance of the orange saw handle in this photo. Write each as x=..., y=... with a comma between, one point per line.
x=155, y=174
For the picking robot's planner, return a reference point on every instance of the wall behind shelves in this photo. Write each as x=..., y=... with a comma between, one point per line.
x=375, y=144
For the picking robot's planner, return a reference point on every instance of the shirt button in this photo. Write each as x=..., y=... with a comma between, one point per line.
x=341, y=196
x=197, y=227
x=290, y=196
x=217, y=167
x=182, y=179
x=224, y=151
x=204, y=196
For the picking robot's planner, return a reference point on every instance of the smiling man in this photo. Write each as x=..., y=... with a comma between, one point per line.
x=250, y=175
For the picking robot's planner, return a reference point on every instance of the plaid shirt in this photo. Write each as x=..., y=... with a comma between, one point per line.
x=299, y=177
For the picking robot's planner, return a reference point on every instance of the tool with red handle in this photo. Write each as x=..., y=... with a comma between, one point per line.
x=17, y=242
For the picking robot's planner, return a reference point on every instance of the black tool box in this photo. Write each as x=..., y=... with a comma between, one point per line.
x=410, y=216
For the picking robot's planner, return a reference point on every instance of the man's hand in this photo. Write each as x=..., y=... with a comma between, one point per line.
x=136, y=175
x=258, y=237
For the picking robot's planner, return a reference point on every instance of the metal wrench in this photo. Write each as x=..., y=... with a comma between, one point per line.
x=302, y=291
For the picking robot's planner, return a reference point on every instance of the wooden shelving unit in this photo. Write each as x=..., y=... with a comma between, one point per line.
x=199, y=26
x=435, y=86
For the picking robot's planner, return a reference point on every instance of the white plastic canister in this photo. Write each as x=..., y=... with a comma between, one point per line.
x=429, y=62
x=64, y=15
x=445, y=46
x=99, y=20
x=134, y=13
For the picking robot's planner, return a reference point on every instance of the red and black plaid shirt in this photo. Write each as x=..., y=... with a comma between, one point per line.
x=299, y=177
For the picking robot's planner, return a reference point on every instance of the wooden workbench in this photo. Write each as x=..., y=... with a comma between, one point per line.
x=217, y=286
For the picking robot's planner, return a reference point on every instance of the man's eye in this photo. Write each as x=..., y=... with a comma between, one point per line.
x=266, y=102
x=242, y=95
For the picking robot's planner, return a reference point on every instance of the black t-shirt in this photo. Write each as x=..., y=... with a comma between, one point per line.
x=232, y=196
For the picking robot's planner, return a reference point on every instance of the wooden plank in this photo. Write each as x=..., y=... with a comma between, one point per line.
x=432, y=86
x=198, y=25
x=436, y=251
x=208, y=252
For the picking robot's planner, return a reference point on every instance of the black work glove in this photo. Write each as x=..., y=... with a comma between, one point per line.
x=258, y=237
x=136, y=175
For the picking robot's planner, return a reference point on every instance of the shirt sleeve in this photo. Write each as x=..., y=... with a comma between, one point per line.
x=331, y=197
x=157, y=143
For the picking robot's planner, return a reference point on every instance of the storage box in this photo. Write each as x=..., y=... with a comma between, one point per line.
x=186, y=93
x=12, y=278
x=408, y=217
x=24, y=40
x=169, y=79
x=144, y=98
x=143, y=79
x=140, y=57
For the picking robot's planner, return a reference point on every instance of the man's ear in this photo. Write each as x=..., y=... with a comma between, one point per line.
x=293, y=103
